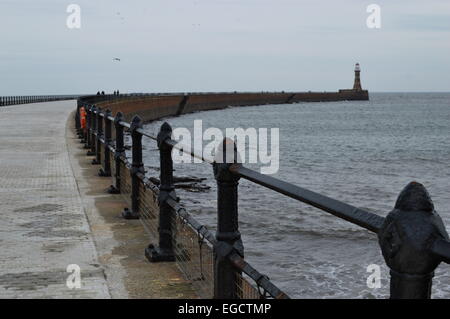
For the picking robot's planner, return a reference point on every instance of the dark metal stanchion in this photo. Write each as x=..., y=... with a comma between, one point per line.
x=98, y=142
x=225, y=275
x=119, y=152
x=93, y=130
x=405, y=239
x=164, y=252
x=136, y=167
x=78, y=120
x=106, y=169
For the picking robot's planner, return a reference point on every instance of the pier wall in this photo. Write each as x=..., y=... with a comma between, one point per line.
x=156, y=106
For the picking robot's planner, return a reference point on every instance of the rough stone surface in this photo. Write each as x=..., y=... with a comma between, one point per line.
x=43, y=226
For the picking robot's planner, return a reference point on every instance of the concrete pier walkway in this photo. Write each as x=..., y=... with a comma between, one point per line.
x=43, y=227
x=54, y=212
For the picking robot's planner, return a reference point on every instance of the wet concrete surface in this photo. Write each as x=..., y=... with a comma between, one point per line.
x=55, y=213
x=43, y=226
x=120, y=243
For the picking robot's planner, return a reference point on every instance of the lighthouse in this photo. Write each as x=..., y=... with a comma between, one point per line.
x=357, y=93
x=357, y=84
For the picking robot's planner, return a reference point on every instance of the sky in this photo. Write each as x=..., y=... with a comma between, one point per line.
x=222, y=45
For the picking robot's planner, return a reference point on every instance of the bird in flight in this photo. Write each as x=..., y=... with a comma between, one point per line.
x=116, y=59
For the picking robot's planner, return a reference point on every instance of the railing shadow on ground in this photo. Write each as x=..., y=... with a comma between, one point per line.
x=412, y=237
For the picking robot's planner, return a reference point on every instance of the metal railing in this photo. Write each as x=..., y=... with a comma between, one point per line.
x=412, y=237
x=25, y=99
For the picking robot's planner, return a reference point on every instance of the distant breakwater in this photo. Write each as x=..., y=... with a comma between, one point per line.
x=155, y=106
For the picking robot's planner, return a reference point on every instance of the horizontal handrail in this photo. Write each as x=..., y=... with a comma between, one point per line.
x=191, y=151
x=337, y=208
x=340, y=209
x=144, y=133
x=26, y=99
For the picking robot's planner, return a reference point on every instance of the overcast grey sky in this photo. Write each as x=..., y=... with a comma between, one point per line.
x=222, y=45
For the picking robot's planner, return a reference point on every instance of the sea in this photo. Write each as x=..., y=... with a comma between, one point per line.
x=359, y=152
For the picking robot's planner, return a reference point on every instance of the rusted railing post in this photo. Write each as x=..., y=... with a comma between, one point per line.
x=87, y=138
x=83, y=129
x=119, y=152
x=225, y=275
x=137, y=167
x=98, y=142
x=164, y=252
x=92, y=131
x=106, y=169
x=406, y=237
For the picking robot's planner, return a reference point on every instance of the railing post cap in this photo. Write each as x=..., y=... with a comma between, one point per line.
x=165, y=133
x=414, y=197
x=409, y=231
x=136, y=123
x=118, y=117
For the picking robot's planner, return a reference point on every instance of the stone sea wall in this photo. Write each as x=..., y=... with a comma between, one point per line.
x=152, y=107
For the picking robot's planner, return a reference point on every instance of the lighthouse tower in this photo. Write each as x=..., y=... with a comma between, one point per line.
x=357, y=93
x=357, y=84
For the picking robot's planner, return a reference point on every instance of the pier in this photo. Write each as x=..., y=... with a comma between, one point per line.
x=72, y=199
